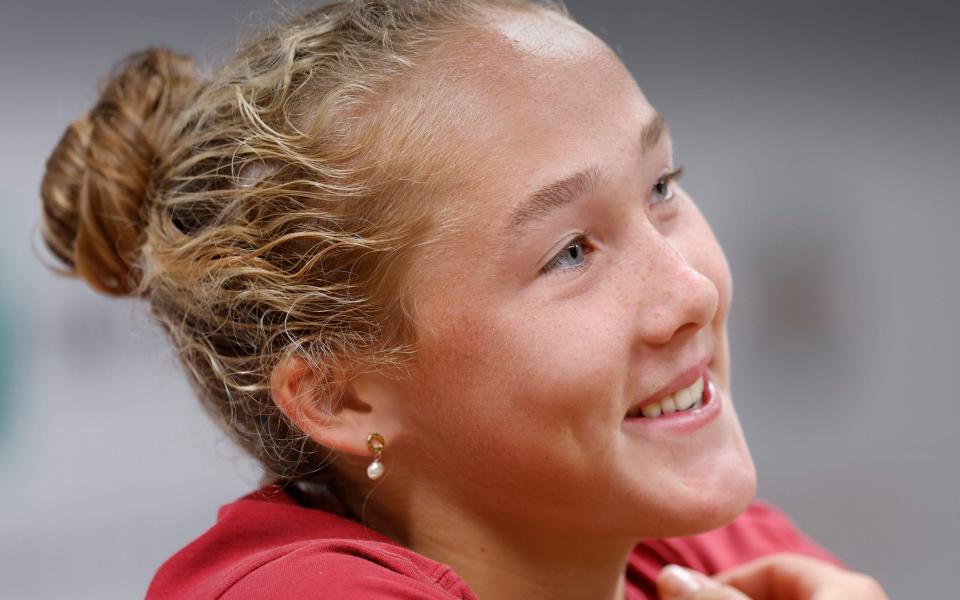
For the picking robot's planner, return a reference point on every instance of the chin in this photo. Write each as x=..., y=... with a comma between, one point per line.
x=723, y=510
x=697, y=507
x=719, y=504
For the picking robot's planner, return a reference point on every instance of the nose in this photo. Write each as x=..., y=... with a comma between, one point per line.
x=677, y=298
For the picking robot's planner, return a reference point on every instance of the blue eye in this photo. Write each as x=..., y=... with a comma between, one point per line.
x=663, y=189
x=573, y=256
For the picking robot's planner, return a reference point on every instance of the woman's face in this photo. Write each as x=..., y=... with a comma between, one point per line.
x=578, y=282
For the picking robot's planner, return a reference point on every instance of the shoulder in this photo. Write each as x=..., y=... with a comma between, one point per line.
x=761, y=530
x=267, y=546
x=344, y=569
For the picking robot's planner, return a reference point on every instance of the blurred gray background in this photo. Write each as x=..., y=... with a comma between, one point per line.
x=822, y=140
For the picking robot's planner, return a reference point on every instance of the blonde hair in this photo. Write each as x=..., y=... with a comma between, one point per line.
x=269, y=211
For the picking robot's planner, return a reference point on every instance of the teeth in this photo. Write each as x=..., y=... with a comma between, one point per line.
x=685, y=399
x=698, y=390
x=651, y=410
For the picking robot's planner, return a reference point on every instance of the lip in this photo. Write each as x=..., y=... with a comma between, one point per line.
x=683, y=421
x=683, y=380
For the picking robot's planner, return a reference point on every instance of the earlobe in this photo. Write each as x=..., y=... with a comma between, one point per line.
x=337, y=418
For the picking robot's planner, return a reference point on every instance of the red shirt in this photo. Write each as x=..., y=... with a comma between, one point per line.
x=266, y=545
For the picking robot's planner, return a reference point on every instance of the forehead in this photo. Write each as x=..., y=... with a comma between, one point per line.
x=525, y=62
x=542, y=34
x=527, y=99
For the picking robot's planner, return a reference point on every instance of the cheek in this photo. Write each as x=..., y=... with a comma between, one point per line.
x=460, y=382
x=513, y=392
x=462, y=420
x=516, y=366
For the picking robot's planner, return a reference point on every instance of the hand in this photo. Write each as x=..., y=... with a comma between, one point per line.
x=775, y=577
x=795, y=577
x=677, y=583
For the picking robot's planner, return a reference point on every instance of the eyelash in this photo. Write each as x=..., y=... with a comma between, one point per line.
x=668, y=179
x=583, y=239
x=551, y=267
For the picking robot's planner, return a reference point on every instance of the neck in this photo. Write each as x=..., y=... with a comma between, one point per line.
x=508, y=561
x=517, y=565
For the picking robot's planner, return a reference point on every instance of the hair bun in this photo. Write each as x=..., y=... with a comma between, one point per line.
x=99, y=177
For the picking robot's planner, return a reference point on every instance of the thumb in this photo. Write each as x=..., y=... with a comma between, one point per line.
x=677, y=583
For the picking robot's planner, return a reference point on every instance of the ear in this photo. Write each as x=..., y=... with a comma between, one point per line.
x=336, y=418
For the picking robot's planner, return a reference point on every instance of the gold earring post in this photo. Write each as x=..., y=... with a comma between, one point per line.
x=375, y=443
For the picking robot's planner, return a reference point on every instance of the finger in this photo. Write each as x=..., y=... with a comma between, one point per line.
x=782, y=576
x=676, y=583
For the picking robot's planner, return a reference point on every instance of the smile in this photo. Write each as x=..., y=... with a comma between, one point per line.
x=689, y=398
x=676, y=409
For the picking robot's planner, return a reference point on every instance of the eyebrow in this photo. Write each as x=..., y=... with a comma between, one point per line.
x=565, y=190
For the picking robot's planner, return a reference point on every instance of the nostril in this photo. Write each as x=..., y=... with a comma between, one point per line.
x=687, y=329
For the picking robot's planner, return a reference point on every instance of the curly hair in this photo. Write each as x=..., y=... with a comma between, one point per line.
x=272, y=209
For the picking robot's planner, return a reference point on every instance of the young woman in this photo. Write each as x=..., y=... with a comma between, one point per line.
x=429, y=262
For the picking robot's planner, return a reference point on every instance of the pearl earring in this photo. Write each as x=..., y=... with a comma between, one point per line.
x=375, y=443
